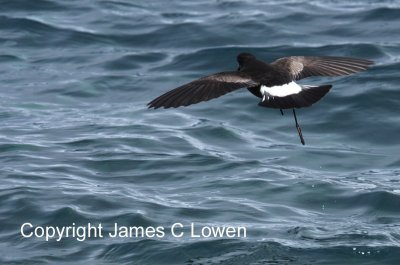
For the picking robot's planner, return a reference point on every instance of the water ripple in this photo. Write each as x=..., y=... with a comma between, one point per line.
x=78, y=145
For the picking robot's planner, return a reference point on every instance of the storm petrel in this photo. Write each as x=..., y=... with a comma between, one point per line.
x=274, y=83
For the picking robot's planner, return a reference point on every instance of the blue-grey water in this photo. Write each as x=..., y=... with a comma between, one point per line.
x=78, y=144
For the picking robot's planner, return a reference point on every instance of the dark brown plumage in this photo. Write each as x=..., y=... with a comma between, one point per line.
x=203, y=89
x=300, y=67
x=273, y=83
x=253, y=73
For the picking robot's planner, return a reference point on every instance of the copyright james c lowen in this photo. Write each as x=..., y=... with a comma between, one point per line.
x=89, y=230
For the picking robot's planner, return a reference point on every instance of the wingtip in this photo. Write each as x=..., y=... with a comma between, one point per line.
x=367, y=62
x=153, y=107
x=150, y=105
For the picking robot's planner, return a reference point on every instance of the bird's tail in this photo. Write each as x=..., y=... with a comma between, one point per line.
x=305, y=98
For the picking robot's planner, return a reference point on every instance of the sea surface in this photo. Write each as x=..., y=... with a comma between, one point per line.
x=79, y=146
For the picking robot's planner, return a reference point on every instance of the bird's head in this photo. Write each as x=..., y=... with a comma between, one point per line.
x=244, y=57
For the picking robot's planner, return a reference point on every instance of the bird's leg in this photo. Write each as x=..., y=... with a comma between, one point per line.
x=281, y=111
x=298, y=128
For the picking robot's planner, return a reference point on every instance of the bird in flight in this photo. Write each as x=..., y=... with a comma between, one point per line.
x=274, y=83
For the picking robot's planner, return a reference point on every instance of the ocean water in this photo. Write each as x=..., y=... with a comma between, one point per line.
x=78, y=145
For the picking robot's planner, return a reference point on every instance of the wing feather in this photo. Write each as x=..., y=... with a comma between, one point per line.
x=301, y=67
x=203, y=89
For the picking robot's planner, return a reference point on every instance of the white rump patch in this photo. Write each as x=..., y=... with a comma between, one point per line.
x=280, y=91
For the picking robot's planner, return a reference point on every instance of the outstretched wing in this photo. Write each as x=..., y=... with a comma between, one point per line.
x=301, y=66
x=203, y=89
